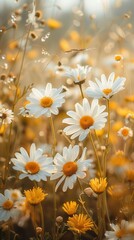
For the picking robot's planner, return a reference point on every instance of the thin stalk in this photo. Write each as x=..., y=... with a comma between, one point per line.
x=14, y=102
x=54, y=193
x=84, y=207
x=108, y=126
x=54, y=135
x=95, y=151
x=82, y=94
x=41, y=215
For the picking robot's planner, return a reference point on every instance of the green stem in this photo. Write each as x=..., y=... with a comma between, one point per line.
x=54, y=193
x=84, y=207
x=95, y=151
x=54, y=135
x=82, y=94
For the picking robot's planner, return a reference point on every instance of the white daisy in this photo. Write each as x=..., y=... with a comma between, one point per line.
x=119, y=232
x=105, y=88
x=78, y=74
x=125, y=132
x=35, y=166
x=68, y=167
x=45, y=101
x=8, y=207
x=6, y=116
x=85, y=118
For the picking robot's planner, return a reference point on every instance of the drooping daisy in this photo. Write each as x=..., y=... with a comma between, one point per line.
x=8, y=208
x=45, y=101
x=85, y=118
x=80, y=223
x=6, y=116
x=78, y=74
x=119, y=232
x=68, y=167
x=125, y=132
x=35, y=166
x=105, y=88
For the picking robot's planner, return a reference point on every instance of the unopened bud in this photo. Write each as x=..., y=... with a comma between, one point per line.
x=38, y=230
x=59, y=219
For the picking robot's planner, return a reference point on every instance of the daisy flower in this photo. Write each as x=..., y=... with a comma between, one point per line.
x=119, y=232
x=35, y=166
x=45, y=101
x=6, y=116
x=8, y=208
x=105, y=88
x=85, y=118
x=68, y=167
x=125, y=132
x=78, y=74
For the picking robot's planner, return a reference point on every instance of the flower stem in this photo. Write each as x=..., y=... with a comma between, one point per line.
x=54, y=193
x=54, y=135
x=108, y=130
x=84, y=207
x=95, y=151
x=82, y=94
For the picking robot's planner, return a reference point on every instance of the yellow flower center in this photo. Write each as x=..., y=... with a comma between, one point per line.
x=70, y=168
x=32, y=167
x=125, y=132
x=86, y=122
x=8, y=204
x=120, y=233
x=107, y=91
x=46, y=102
x=118, y=57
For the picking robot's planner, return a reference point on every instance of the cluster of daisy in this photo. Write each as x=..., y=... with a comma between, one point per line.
x=69, y=137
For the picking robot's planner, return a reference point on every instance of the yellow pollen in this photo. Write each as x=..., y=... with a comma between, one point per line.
x=7, y=205
x=86, y=122
x=125, y=132
x=107, y=91
x=46, y=102
x=70, y=168
x=32, y=167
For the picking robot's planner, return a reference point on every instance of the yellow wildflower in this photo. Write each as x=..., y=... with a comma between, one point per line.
x=53, y=23
x=98, y=185
x=70, y=207
x=79, y=223
x=35, y=196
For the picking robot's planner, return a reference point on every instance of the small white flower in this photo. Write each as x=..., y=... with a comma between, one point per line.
x=85, y=118
x=68, y=168
x=35, y=166
x=78, y=74
x=45, y=101
x=125, y=132
x=119, y=232
x=105, y=88
x=6, y=116
x=8, y=208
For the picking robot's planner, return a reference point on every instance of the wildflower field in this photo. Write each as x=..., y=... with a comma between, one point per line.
x=66, y=120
